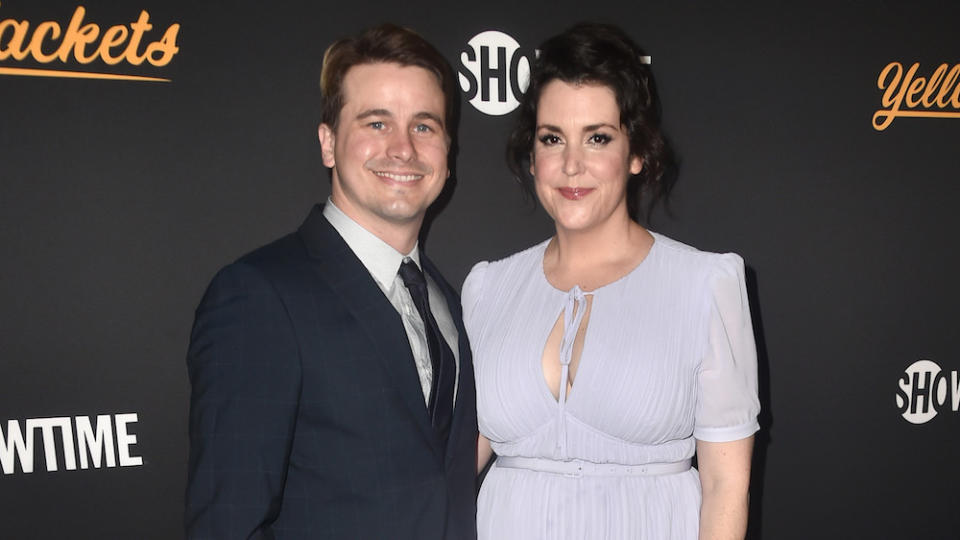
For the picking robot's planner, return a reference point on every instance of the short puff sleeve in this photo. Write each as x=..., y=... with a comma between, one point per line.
x=727, y=403
x=470, y=292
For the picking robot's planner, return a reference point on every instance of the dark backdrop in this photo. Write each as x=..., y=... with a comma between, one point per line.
x=119, y=200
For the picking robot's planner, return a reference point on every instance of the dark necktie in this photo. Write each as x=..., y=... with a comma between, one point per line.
x=440, y=403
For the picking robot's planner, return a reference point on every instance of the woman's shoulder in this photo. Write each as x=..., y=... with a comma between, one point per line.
x=681, y=256
x=494, y=273
x=519, y=261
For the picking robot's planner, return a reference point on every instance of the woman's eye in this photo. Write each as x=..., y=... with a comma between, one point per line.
x=599, y=139
x=549, y=139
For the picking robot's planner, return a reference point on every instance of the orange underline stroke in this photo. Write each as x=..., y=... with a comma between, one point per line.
x=920, y=114
x=75, y=75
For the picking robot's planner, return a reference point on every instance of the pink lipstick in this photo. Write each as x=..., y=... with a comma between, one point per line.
x=574, y=193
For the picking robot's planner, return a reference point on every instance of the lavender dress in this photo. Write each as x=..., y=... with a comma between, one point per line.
x=668, y=357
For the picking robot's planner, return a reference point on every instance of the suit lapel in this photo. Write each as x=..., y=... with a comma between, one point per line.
x=336, y=264
x=466, y=395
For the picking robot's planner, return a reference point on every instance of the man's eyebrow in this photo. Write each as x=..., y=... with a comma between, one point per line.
x=373, y=112
x=429, y=116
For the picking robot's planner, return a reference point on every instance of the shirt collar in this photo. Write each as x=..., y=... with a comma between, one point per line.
x=378, y=257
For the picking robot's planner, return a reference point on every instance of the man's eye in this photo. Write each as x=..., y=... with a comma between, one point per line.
x=423, y=128
x=549, y=139
x=376, y=124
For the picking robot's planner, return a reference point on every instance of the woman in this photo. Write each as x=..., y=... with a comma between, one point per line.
x=607, y=355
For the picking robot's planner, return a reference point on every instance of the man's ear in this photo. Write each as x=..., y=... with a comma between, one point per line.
x=328, y=142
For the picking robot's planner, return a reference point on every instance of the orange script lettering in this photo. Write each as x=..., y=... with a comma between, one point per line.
x=85, y=43
x=906, y=94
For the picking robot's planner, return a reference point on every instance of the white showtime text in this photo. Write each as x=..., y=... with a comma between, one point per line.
x=100, y=441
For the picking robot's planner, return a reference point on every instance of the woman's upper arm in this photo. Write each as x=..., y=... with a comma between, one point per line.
x=484, y=453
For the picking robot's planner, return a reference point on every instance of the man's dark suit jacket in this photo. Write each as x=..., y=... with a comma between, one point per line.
x=307, y=419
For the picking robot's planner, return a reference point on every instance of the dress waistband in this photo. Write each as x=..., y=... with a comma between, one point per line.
x=576, y=468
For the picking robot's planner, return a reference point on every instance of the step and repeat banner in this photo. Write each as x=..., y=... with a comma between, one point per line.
x=145, y=144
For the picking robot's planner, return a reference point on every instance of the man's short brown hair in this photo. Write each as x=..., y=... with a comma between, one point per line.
x=386, y=43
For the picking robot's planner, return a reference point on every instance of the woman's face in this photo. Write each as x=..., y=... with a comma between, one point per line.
x=581, y=156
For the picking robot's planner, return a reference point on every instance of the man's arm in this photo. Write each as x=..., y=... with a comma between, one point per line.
x=244, y=370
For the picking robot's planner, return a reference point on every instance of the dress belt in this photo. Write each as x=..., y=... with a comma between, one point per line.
x=576, y=468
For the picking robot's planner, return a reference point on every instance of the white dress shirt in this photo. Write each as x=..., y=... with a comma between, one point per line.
x=383, y=263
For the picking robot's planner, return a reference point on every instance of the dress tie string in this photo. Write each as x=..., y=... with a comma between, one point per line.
x=572, y=317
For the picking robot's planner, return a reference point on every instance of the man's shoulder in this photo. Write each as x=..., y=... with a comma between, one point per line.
x=431, y=269
x=286, y=249
x=255, y=270
x=293, y=249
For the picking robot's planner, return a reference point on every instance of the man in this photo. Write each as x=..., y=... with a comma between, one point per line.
x=332, y=386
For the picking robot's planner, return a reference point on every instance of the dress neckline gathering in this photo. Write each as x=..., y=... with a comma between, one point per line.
x=572, y=290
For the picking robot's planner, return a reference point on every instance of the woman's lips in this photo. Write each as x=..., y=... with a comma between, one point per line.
x=574, y=193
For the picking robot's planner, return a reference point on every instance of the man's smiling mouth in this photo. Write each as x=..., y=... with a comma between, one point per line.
x=398, y=177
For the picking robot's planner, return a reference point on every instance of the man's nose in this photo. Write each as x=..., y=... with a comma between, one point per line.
x=400, y=146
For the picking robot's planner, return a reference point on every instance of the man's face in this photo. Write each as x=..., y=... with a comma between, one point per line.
x=389, y=152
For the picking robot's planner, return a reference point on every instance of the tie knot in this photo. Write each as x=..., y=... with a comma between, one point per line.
x=411, y=275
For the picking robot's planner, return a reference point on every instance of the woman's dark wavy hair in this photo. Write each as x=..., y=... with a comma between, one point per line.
x=600, y=54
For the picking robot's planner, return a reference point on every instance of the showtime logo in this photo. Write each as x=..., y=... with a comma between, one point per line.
x=494, y=72
x=100, y=441
x=925, y=390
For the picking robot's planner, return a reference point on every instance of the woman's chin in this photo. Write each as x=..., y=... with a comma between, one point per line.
x=575, y=224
